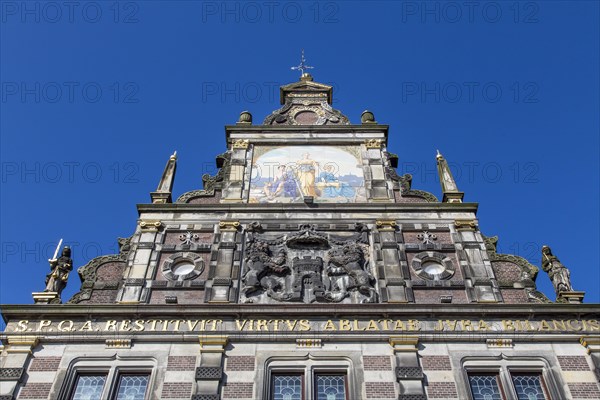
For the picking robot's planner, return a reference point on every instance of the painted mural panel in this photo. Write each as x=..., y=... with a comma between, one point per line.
x=285, y=174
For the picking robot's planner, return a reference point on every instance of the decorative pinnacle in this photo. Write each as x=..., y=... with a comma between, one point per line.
x=439, y=155
x=302, y=66
x=173, y=156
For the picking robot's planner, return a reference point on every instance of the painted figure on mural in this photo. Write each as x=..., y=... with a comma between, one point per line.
x=283, y=185
x=60, y=267
x=558, y=273
x=331, y=186
x=307, y=170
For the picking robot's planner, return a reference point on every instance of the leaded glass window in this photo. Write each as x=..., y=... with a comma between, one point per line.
x=529, y=387
x=485, y=387
x=89, y=387
x=132, y=387
x=287, y=387
x=331, y=387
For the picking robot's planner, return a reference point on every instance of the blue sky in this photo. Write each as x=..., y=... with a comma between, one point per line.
x=95, y=98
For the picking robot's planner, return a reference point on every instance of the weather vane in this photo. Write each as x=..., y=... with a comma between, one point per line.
x=302, y=66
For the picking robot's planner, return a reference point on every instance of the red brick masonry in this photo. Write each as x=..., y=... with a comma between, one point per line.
x=181, y=363
x=436, y=363
x=380, y=390
x=239, y=390
x=35, y=391
x=176, y=390
x=573, y=363
x=44, y=364
x=584, y=390
x=442, y=390
x=240, y=363
x=377, y=363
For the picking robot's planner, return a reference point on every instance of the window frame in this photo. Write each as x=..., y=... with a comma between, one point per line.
x=505, y=367
x=121, y=372
x=496, y=374
x=328, y=373
x=309, y=370
x=84, y=372
x=519, y=372
x=112, y=369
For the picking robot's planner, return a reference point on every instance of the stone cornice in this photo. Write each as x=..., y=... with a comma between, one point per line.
x=316, y=207
x=514, y=311
x=265, y=133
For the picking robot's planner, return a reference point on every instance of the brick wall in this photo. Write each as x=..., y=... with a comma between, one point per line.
x=442, y=390
x=573, y=363
x=240, y=363
x=35, y=391
x=506, y=272
x=238, y=390
x=584, y=390
x=44, y=364
x=380, y=390
x=176, y=390
x=436, y=363
x=377, y=363
x=432, y=296
x=181, y=363
x=514, y=296
x=192, y=296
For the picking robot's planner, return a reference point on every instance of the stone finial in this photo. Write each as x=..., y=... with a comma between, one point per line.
x=449, y=188
x=245, y=118
x=367, y=117
x=163, y=192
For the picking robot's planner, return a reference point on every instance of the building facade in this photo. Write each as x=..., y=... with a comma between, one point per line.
x=305, y=269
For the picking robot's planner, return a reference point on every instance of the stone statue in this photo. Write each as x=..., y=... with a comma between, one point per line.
x=263, y=270
x=559, y=274
x=60, y=267
x=347, y=272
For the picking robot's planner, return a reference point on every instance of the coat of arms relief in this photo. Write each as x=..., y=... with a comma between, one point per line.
x=307, y=266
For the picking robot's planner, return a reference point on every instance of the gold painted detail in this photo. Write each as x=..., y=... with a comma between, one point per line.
x=241, y=144
x=373, y=143
x=386, y=224
x=229, y=225
x=150, y=226
x=21, y=344
x=465, y=224
x=591, y=343
x=499, y=343
x=212, y=343
x=402, y=344
x=308, y=343
x=118, y=343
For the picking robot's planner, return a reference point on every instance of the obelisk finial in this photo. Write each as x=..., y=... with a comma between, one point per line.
x=165, y=186
x=302, y=67
x=449, y=188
